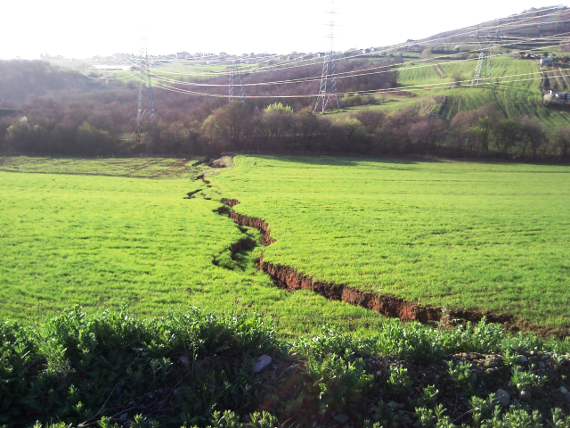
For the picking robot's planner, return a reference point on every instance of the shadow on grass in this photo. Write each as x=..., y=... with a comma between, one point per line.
x=346, y=160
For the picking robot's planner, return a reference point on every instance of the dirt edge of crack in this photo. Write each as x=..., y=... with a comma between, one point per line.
x=288, y=278
x=256, y=223
x=203, y=178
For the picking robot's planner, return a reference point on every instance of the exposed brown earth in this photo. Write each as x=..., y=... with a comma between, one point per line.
x=257, y=223
x=223, y=162
x=192, y=194
x=387, y=305
x=288, y=278
x=230, y=202
x=203, y=178
x=244, y=244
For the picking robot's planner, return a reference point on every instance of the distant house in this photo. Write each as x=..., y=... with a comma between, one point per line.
x=557, y=97
x=547, y=61
x=183, y=55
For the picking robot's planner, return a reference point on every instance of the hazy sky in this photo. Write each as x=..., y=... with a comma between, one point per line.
x=80, y=29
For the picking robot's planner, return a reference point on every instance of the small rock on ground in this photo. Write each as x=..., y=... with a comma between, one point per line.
x=563, y=390
x=261, y=363
x=341, y=418
x=503, y=397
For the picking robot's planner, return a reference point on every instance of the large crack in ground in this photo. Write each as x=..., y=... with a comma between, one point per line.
x=290, y=279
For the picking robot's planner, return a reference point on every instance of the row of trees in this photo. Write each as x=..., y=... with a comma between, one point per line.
x=97, y=119
x=485, y=132
x=279, y=128
x=481, y=132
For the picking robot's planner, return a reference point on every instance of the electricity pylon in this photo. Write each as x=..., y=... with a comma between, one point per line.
x=235, y=71
x=486, y=41
x=145, y=109
x=328, y=90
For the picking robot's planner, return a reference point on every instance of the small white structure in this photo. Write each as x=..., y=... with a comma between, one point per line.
x=556, y=97
x=547, y=61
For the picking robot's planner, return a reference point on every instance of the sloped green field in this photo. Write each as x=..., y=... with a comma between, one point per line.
x=465, y=235
x=100, y=242
x=515, y=90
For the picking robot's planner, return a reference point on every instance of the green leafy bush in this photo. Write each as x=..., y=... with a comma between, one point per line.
x=527, y=379
x=399, y=381
x=337, y=382
x=196, y=369
x=75, y=363
x=515, y=417
x=462, y=374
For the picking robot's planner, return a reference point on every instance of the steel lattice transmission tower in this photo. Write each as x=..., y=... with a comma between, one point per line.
x=145, y=109
x=328, y=91
x=235, y=72
x=486, y=41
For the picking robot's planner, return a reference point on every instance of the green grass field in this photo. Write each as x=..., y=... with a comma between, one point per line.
x=102, y=241
x=471, y=235
x=132, y=167
x=462, y=234
x=514, y=99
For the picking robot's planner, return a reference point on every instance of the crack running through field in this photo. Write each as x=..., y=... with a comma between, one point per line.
x=288, y=278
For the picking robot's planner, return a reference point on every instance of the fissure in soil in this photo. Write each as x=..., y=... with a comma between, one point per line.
x=290, y=279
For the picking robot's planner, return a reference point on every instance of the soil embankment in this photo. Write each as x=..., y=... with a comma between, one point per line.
x=257, y=223
x=391, y=306
x=288, y=278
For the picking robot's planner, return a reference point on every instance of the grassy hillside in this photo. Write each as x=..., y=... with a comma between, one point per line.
x=120, y=167
x=102, y=241
x=459, y=234
x=438, y=95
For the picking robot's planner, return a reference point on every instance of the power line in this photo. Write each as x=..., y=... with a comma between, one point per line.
x=164, y=69
x=486, y=41
x=143, y=112
x=387, y=68
x=339, y=75
x=146, y=67
x=396, y=47
x=381, y=91
x=328, y=90
x=236, y=73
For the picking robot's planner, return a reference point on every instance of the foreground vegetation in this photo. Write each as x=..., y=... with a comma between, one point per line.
x=198, y=369
x=484, y=236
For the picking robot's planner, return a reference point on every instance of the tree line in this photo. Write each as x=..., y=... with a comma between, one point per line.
x=65, y=114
